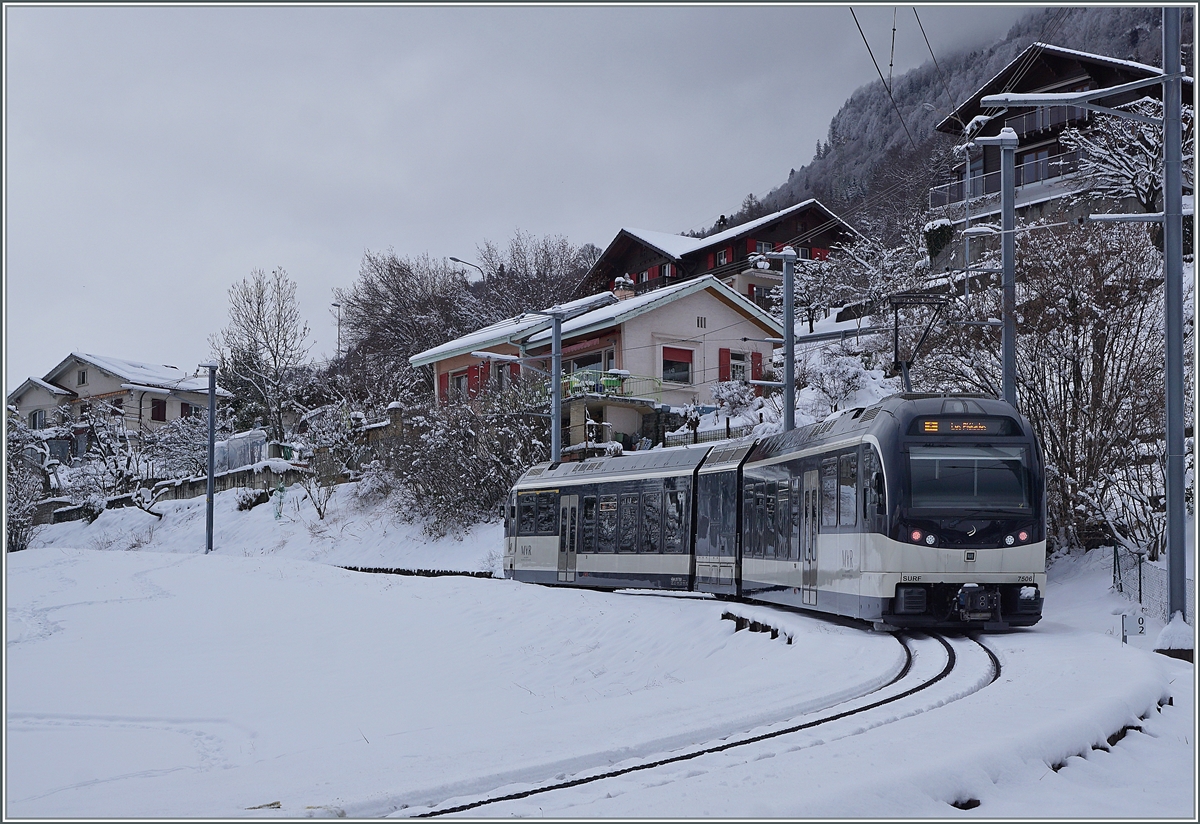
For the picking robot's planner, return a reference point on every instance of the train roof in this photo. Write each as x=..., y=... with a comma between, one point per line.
x=901, y=408
x=680, y=460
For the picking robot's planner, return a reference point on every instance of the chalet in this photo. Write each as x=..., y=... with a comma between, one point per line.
x=652, y=260
x=145, y=395
x=1045, y=171
x=628, y=359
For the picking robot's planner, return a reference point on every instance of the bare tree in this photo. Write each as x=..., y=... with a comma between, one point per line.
x=534, y=273
x=264, y=344
x=1123, y=158
x=26, y=455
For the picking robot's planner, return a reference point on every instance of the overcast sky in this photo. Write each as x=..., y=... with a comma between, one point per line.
x=156, y=155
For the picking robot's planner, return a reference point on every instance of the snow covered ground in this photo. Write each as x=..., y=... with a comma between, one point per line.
x=145, y=679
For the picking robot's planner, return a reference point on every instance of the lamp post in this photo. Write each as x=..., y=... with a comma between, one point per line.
x=788, y=255
x=1007, y=141
x=212, y=453
x=338, y=306
x=482, y=274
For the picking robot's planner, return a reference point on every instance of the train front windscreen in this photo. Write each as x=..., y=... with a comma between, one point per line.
x=954, y=476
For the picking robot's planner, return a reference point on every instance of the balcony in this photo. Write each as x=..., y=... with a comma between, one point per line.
x=1046, y=118
x=1036, y=171
x=612, y=384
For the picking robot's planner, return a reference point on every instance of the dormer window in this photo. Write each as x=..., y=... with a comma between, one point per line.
x=81, y=378
x=722, y=257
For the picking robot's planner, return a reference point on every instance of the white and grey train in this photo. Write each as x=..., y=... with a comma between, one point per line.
x=921, y=511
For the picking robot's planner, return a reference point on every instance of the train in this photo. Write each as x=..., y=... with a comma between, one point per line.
x=920, y=511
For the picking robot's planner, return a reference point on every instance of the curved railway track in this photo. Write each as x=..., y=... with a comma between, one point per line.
x=920, y=673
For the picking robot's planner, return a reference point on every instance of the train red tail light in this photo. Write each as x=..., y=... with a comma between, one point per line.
x=1023, y=535
x=916, y=536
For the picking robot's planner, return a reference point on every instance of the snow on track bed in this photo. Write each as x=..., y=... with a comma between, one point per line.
x=958, y=667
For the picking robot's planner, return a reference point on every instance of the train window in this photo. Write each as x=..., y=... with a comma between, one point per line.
x=873, y=488
x=848, y=488
x=527, y=509
x=673, y=521
x=794, y=543
x=587, y=542
x=969, y=476
x=768, y=526
x=760, y=519
x=606, y=524
x=829, y=492
x=728, y=544
x=651, y=522
x=628, y=519
x=782, y=519
x=748, y=519
x=547, y=513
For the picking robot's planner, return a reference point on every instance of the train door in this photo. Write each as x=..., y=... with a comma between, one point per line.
x=568, y=537
x=808, y=537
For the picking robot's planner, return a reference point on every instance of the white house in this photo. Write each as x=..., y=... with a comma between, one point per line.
x=625, y=357
x=146, y=395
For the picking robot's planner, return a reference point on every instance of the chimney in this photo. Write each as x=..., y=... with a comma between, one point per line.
x=623, y=287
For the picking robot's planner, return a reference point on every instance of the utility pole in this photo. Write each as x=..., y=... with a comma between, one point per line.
x=212, y=453
x=556, y=388
x=788, y=256
x=1173, y=277
x=1007, y=141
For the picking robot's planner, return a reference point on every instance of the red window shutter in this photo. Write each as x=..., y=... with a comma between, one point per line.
x=485, y=372
x=514, y=371
x=756, y=370
x=729, y=255
x=751, y=246
x=681, y=355
x=472, y=381
x=723, y=373
x=653, y=272
x=820, y=254
x=444, y=387
x=712, y=259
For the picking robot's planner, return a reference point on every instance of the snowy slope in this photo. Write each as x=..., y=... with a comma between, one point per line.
x=165, y=683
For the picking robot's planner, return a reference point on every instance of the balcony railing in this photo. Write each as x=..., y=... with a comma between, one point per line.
x=613, y=383
x=989, y=184
x=1048, y=117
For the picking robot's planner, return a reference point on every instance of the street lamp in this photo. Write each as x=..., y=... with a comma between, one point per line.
x=468, y=263
x=212, y=453
x=338, y=306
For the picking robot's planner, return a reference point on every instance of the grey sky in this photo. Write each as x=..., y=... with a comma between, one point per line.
x=156, y=155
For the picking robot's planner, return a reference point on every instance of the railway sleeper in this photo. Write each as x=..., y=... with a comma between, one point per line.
x=1112, y=742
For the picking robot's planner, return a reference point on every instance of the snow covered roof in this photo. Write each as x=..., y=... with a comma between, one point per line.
x=32, y=382
x=632, y=307
x=953, y=123
x=155, y=375
x=676, y=246
x=509, y=330
x=51, y=388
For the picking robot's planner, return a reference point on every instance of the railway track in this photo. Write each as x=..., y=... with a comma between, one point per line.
x=937, y=670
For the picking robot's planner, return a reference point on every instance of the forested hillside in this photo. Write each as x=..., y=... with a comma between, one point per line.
x=868, y=151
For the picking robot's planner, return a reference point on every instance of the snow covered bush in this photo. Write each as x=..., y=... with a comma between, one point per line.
x=248, y=498
x=26, y=455
x=733, y=397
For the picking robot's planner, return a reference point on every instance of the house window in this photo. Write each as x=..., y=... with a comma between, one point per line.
x=737, y=366
x=1033, y=166
x=804, y=253
x=81, y=378
x=459, y=386
x=186, y=410
x=722, y=257
x=158, y=409
x=37, y=419
x=677, y=365
x=701, y=322
x=764, y=246
x=643, y=276
x=666, y=270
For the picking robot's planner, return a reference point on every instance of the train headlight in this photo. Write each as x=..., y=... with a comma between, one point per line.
x=1009, y=540
x=931, y=539
x=916, y=536
x=1023, y=535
